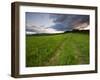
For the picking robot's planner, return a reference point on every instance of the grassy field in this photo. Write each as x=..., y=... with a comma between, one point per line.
x=70, y=48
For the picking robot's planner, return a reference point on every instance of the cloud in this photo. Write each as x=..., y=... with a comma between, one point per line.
x=61, y=27
x=69, y=22
x=39, y=30
x=60, y=24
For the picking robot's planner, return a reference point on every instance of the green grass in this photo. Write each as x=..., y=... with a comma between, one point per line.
x=59, y=49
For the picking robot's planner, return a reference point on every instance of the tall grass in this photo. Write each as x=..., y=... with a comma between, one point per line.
x=61, y=49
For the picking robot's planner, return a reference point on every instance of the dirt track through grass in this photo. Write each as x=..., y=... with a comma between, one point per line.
x=56, y=53
x=60, y=49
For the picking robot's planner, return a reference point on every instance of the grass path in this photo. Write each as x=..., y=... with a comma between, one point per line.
x=56, y=53
x=54, y=60
x=62, y=49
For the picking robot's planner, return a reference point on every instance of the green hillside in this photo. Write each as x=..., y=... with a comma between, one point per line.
x=70, y=48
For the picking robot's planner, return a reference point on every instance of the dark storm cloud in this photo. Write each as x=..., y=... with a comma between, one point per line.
x=68, y=21
x=59, y=18
x=71, y=17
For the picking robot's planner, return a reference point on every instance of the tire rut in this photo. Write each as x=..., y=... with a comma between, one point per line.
x=54, y=59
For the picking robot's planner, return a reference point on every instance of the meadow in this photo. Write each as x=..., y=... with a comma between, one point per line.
x=70, y=48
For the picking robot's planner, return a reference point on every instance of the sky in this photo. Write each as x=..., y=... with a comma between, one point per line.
x=54, y=23
x=38, y=19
